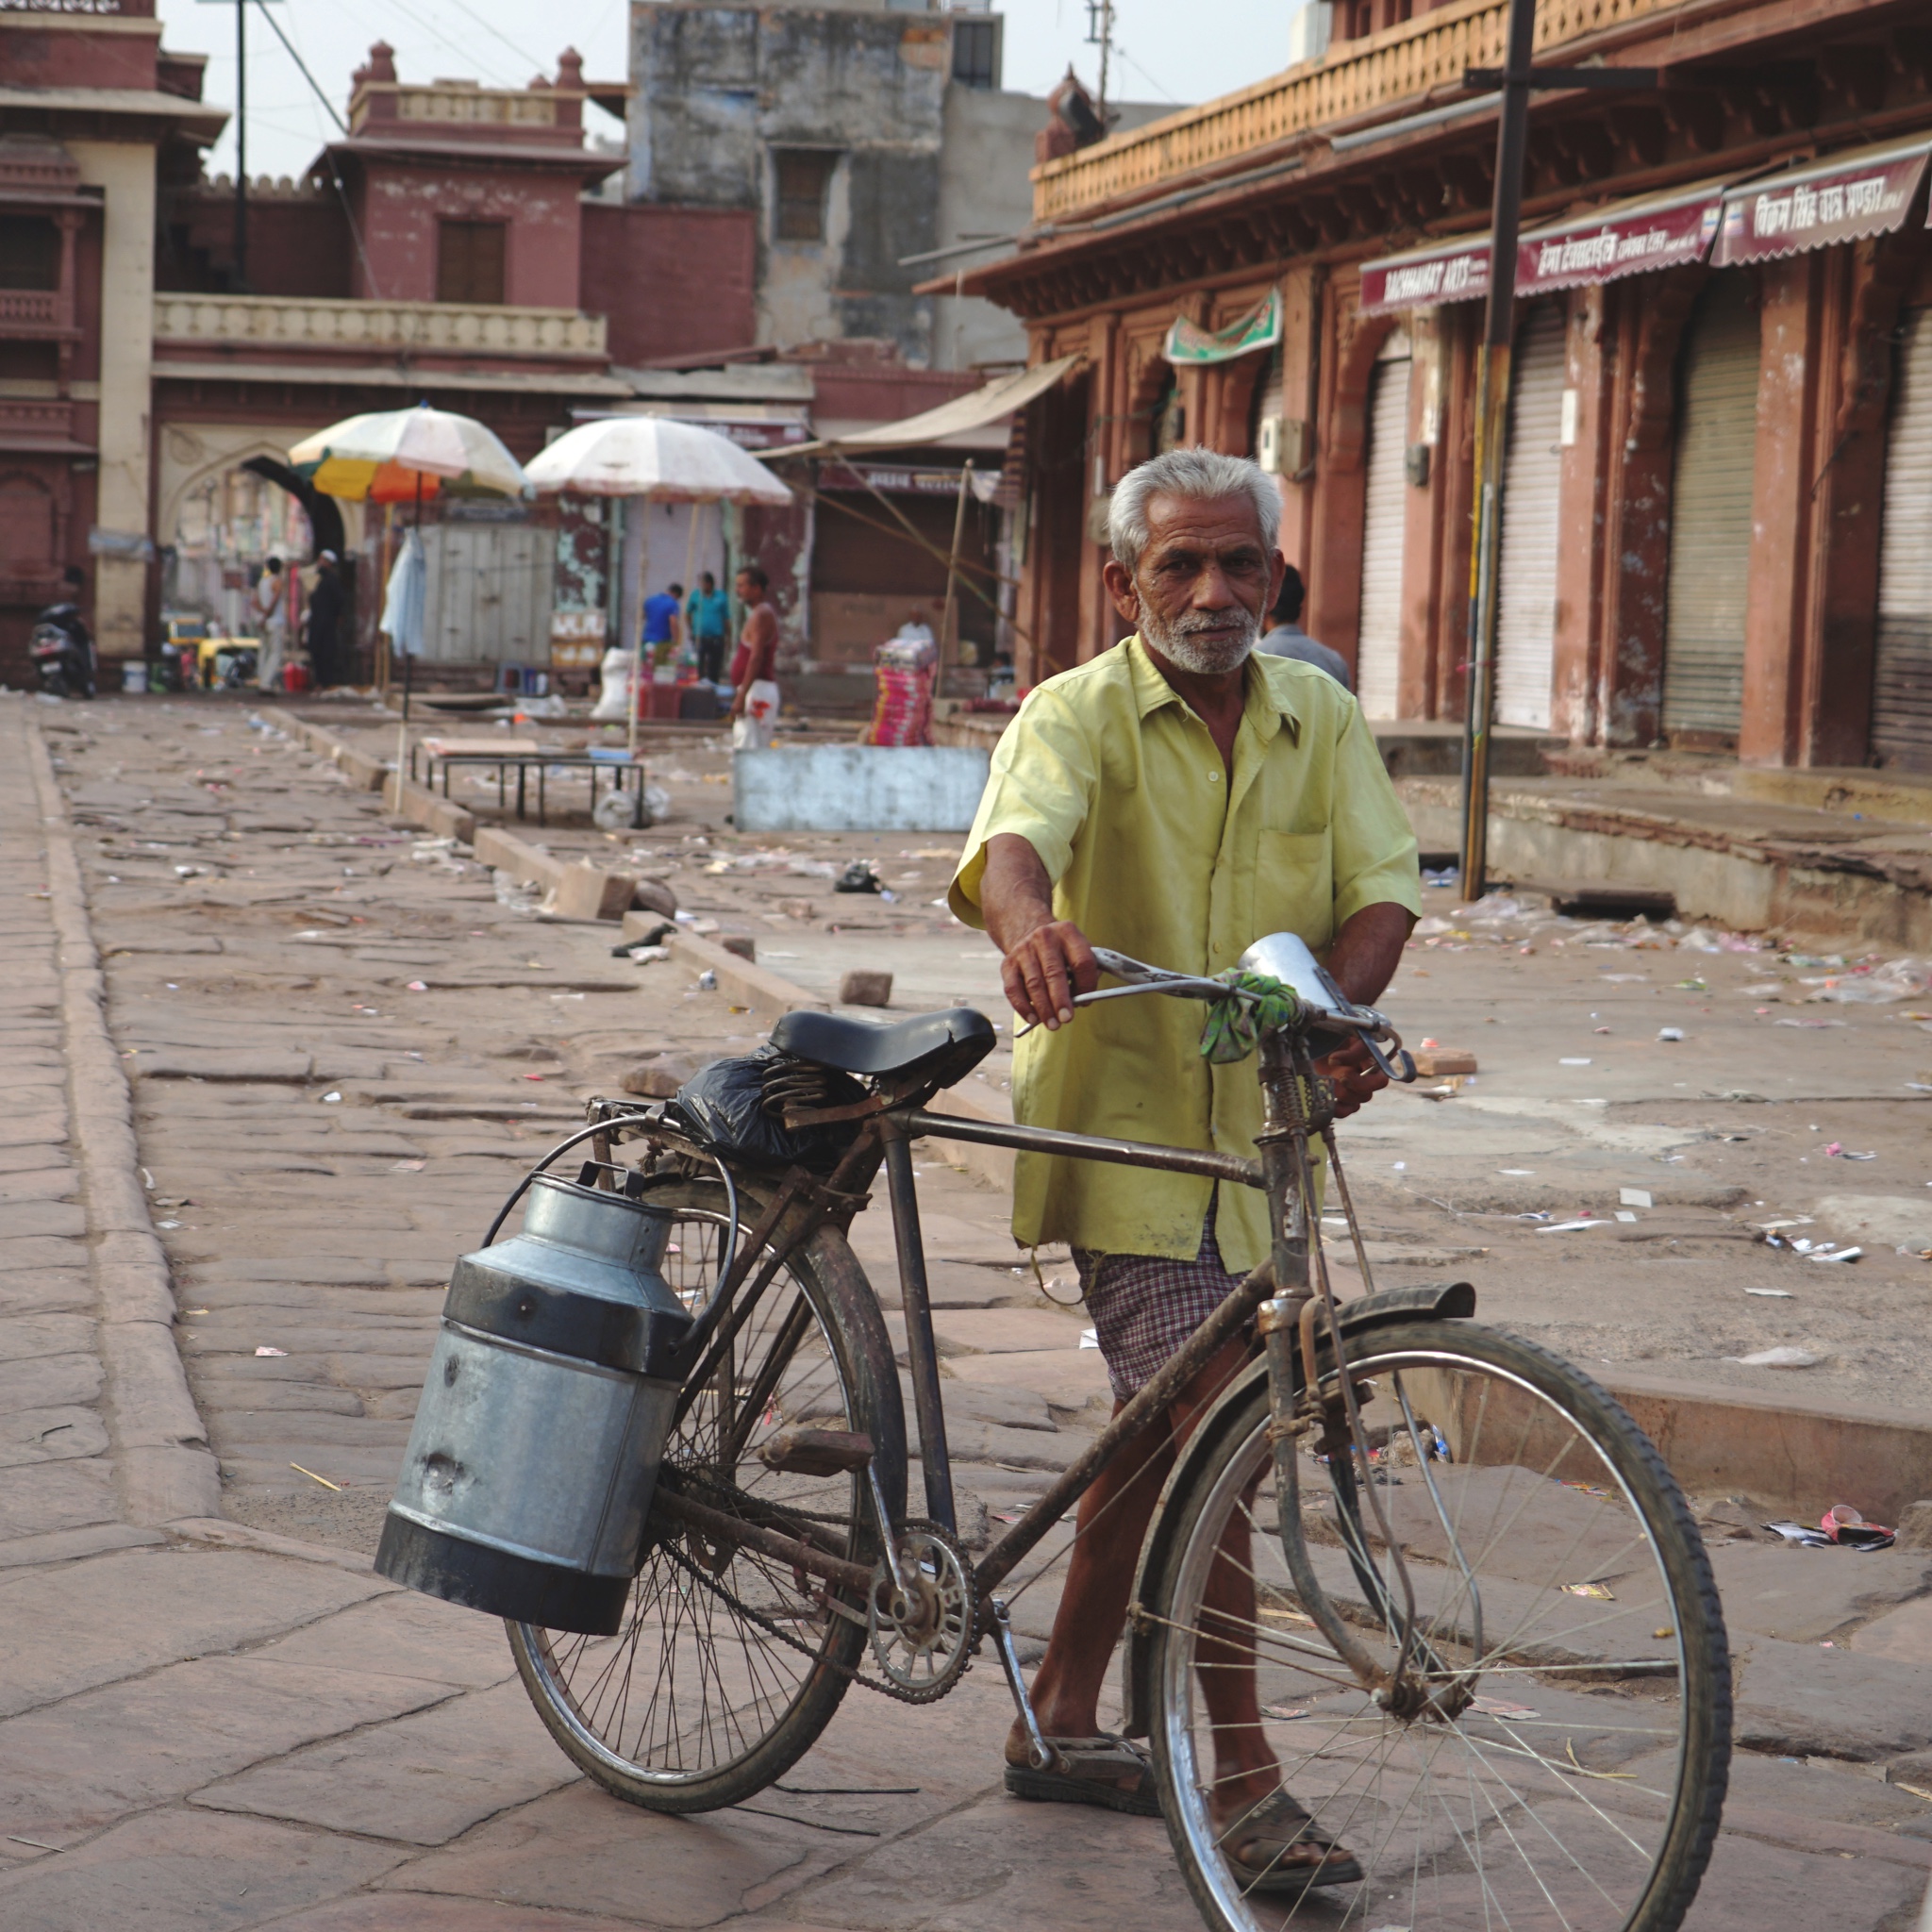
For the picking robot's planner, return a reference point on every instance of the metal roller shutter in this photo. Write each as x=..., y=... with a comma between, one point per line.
x=1526, y=613
x=1378, y=648
x=1711, y=513
x=1902, y=702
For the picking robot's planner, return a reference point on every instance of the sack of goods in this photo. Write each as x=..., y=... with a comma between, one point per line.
x=903, y=671
x=613, y=700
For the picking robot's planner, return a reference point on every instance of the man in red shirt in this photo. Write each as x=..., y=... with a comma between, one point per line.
x=754, y=669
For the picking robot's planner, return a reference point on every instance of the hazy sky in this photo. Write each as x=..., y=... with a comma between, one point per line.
x=1172, y=51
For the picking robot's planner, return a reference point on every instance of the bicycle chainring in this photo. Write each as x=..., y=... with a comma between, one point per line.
x=922, y=1636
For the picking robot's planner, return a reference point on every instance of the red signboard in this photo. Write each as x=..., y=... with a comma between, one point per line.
x=1459, y=272
x=1842, y=200
x=1613, y=242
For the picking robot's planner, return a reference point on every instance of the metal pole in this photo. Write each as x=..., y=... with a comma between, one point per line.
x=1491, y=439
x=952, y=609
x=241, y=145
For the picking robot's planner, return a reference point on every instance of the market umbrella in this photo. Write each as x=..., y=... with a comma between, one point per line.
x=400, y=455
x=655, y=459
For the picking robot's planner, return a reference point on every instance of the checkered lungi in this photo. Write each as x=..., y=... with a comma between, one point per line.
x=1145, y=1306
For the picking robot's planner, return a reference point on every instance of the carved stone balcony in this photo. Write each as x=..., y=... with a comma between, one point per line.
x=1350, y=83
x=384, y=328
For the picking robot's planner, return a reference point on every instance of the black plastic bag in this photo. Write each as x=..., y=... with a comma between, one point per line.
x=736, y=1108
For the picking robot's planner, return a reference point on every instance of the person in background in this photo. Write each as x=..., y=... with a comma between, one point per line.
x=663, y=625
x=709, y=617
x=270, y=624
x=755, y=664
x=1288, y=640
x=326, y=603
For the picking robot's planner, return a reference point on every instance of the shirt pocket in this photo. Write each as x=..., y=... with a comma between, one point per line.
x=1295, y=887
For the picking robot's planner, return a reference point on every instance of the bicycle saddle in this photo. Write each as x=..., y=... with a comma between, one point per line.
x=945, y=1044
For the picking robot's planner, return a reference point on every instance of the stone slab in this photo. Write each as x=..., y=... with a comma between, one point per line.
x=150, y=1739
x=179, y=1871
x=402, y=1633
x=90, y=1622
x=55, y=1496
x=421, y=1780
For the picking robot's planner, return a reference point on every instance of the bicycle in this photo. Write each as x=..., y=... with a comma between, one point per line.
x=1487, y=1649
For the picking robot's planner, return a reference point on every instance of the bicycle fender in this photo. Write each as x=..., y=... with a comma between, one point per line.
x=1439, y=1301
x=1442, y=1301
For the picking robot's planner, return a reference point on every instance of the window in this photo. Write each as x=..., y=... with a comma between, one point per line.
x=803, y=174
x=30, y=252
x=977, y=52
x=469, y=261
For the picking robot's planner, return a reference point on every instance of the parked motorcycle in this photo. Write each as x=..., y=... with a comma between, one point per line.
x=62, y=650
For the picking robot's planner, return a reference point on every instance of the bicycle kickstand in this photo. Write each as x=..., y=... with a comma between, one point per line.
x=1041, y=1754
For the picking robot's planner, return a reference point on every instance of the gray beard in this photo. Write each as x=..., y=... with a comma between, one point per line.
x=1177, y=643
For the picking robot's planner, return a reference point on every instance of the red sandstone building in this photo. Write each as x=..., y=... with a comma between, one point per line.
x=1719, y=496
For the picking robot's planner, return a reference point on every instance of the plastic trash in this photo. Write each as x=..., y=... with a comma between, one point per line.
x=1842, y=1255
x=1633, y=1197
x=1846, y=1527
x=1670, y=1033
x=1782, y=1358
x=1897, y=979
x=1800, y=1534
x=707, y=981
x=858, y=877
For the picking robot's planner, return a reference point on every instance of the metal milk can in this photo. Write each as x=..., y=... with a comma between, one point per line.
x=535, y=1448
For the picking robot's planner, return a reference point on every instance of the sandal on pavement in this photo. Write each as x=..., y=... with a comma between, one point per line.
x=1107, y=1771
x=1274, y=1851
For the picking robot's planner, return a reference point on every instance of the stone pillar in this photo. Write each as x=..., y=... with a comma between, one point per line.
x=1866, y=283
x=1452, y=486
x=127, y=171
x=1301, y=360
x=1585, y=467
x=1648, y=313
x=1779, y=610
x=1427, y=557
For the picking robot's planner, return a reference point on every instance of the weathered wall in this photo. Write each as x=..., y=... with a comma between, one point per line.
x=673, y=281
x=720, y=87
x=400, y=203
x=986, y=189
x=298, y=243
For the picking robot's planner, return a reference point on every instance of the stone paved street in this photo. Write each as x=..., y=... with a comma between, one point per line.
x=339, y=1044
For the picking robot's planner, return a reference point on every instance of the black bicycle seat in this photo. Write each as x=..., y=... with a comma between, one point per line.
x=952, y=1041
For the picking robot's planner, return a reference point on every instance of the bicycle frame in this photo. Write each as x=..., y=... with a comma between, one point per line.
x=1288, y=1086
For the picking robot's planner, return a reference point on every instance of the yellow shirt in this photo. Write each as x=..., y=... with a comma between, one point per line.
x=1115, y=781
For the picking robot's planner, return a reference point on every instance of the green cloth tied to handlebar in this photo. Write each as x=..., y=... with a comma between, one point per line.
x=1254, y=1004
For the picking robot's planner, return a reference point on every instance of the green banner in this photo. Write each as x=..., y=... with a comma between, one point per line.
x=1260, y=329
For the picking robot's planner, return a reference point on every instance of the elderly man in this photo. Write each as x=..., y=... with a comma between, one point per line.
x=1175, y=798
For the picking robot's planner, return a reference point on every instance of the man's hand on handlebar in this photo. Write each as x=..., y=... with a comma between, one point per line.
x=1047, y=959
x=1043, y=970
x=1357, y=1079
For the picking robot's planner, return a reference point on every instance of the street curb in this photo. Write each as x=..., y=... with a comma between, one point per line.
x=767, y=996
x=163, y=1465
x=415, y=804
x=219, y=1532
x=365, y=773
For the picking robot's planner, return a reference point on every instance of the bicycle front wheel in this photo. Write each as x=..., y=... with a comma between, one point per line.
x=1514, y=1545
x=730, y=1663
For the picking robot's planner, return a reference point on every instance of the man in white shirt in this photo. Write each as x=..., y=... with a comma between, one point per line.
x=270, y=624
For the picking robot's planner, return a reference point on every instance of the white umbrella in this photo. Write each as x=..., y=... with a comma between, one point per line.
x=656, y=459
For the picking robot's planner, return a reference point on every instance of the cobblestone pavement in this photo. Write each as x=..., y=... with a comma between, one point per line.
x=212, y=1714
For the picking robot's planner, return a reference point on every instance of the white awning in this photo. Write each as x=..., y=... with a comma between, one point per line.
x=1000, y=397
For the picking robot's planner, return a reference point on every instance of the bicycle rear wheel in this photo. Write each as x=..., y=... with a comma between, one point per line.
x=730, y=1663
x=1555, y=1578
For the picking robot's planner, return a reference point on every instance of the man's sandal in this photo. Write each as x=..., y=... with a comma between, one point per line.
x=1274, y=1852
x=1107, y=1771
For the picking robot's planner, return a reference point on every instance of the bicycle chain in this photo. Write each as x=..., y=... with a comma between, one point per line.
x=883, y=1686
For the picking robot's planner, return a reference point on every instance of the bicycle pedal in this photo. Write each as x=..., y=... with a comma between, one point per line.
x=815, y=1452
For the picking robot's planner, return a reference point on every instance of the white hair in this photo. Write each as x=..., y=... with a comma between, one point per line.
x=1203, y=475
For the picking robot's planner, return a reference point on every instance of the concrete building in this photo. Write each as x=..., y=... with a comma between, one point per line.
x=1717, y=496
x=846, y=138
x=92, y=113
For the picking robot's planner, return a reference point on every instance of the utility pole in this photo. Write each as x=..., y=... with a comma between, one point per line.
x=1100, y=34
x=241, y=145
x=1517, y=80
x=1491, y=440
